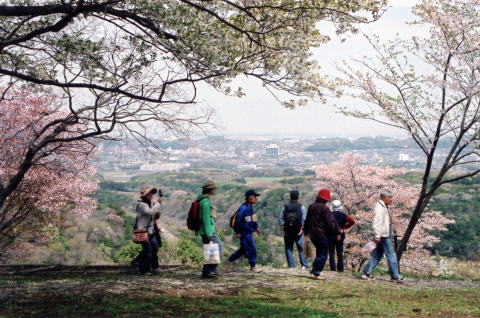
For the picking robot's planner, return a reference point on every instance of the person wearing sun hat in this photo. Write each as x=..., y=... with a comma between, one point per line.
x=319, y=226
x=207, y=226
x=148, y=208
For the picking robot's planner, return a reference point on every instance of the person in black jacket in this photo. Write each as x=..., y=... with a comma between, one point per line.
x=319, y=226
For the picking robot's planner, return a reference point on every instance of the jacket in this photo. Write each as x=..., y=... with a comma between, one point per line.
x=246, y=221
x=145, y=216
x=320, y=222
x=382, y=224
x=207, y=225
x=343, y=220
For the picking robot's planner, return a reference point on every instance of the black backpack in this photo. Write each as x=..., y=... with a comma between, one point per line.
x=292, y=215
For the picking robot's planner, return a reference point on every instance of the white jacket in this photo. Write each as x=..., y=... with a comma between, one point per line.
x=382, y=225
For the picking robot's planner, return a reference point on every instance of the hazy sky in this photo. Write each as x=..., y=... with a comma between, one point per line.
x=260, y=113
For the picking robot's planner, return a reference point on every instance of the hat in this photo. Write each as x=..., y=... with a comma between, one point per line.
x=209, y=185
x=294, y=195
x=324, y=194
x=337, y=205
x=250, y=193
x=146, y=190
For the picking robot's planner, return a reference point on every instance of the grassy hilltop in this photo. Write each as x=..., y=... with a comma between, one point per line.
x=276, y=293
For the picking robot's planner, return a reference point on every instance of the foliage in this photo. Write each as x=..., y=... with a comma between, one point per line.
x=56, y=178
x=189, y=253
x=127, y=253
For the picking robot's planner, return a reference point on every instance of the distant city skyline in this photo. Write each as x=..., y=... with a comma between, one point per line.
x=259, y=113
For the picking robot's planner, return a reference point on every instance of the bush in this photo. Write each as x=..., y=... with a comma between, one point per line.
x=189, y=253
x=127, y=253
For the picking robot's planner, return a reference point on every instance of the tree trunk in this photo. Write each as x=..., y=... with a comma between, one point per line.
x=416, y=215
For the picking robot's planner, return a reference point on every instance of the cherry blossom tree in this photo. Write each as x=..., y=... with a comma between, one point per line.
x=430, y=88
x=60, y=177
x=358, y=186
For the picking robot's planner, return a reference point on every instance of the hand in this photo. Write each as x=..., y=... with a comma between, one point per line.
x=339, y=237
x=301, y=231
x=238, y=235
x=154, y=200
x=259, y=232
x=157, y=215
x=377, y=240
x=209, y=238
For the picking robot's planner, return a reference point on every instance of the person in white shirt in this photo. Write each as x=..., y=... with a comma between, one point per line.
x=383, y=231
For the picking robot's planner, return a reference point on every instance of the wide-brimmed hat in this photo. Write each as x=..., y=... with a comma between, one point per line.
x=337, y=205
x=146, y=190
x=209, y=185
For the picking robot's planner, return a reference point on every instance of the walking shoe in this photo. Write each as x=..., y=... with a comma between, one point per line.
x=367, y=277
x=304, y=268
x=400, y=280
x=209, y=276
x=319, y=277
x=255, y=270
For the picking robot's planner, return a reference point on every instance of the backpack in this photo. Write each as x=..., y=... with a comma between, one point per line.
x=233, y=219
x=193, y=219
x=292, y=215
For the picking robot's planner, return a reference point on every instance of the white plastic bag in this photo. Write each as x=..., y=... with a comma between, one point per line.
x=211, y=253
x=368, y=248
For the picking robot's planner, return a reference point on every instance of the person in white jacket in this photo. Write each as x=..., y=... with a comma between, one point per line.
x=383, y=231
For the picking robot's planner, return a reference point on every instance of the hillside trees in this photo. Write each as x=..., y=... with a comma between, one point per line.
x=430, y=88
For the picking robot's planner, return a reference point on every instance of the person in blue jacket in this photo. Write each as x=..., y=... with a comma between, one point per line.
x=245, y=225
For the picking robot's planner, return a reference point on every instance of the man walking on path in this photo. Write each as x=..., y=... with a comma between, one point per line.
x=383, y=230
x=245, y=225
x=344, y=222
x=292, y=220
x=319, y=226
x=207, y=225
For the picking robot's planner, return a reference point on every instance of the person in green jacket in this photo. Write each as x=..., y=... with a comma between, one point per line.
x=207, y=225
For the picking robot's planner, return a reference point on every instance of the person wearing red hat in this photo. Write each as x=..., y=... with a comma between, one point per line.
x=319, y=226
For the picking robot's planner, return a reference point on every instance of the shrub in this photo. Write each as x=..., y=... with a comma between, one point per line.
x=127, y=253
x=189, y=253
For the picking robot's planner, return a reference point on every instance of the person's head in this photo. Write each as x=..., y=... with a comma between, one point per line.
x=337, y=205
x=209, y=187
x=147, y=193
x=294, y=195
x=251, y=196
x=324, y=196
x=386, y=196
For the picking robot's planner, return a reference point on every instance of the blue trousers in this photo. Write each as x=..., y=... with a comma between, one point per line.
x=247, y=249
x=290, y=240
x=384, y=247
x=211, y=268
x=321, y=246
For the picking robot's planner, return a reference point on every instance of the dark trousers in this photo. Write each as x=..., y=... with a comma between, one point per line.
x=291, y=240
x=147, y=260
x=321, y=246
x=247, y=249
x=336, y=246
x=211, y=268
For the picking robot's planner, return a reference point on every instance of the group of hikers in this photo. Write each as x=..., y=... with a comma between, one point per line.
x=324, y=223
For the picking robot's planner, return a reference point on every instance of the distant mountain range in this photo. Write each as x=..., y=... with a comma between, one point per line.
x=365, y=143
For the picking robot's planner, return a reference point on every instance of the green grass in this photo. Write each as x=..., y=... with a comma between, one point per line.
x=270, y=296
